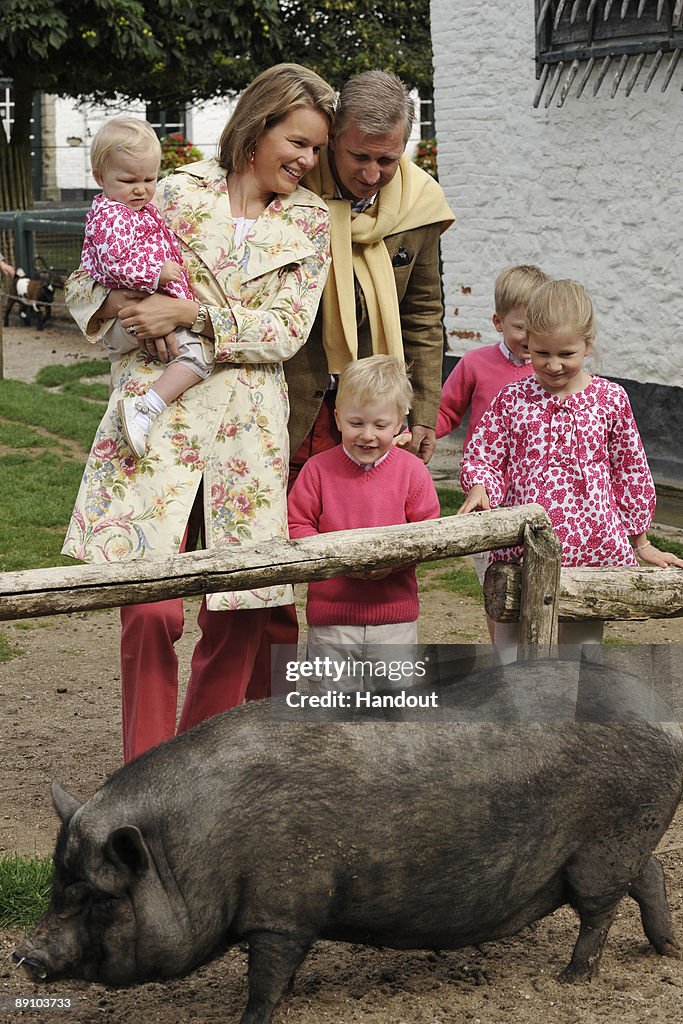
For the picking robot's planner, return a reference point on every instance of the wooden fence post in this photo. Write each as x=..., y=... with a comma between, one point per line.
x=540, y=592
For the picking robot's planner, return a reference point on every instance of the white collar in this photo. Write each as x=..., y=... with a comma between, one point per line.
x=365, y=465
x=511, y=358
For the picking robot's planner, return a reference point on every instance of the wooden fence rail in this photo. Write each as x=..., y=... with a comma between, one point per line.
x=611, y=593
x=535, y=593
x=37, y=592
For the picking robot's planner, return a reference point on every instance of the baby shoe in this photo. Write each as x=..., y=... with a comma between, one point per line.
x=136, y=420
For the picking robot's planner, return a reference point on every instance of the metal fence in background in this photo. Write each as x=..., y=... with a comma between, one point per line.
x=45, y=239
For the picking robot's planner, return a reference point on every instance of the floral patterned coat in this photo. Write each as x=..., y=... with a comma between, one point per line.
x=230, y=429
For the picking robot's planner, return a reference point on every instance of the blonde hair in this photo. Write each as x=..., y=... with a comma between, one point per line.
x=271, y=96
x=515, y=285
x=123, y=135
x=375, y=102
x=376, y=377
x=562, y=305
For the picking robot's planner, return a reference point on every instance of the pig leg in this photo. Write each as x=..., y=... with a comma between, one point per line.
x=649, y=891
x=595, y=924
x=273, y=960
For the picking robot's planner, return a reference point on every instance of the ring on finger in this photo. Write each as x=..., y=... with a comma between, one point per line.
x=132, y=330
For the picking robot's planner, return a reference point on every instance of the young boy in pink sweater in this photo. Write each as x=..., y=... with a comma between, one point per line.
x=482, y=372
x=365, y=481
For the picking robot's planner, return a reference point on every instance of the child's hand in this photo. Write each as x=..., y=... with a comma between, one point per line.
x=170, y=271
x=653, y=556
x=404, y=439
x=477, y=500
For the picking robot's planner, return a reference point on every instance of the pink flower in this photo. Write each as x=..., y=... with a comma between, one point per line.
x=238, y=466
x=217, y=496
x=240, y=502
x=188, y=455
x=105, y=449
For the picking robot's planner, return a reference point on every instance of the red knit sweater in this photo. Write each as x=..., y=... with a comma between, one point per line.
x=333, y=493
x=473, y=384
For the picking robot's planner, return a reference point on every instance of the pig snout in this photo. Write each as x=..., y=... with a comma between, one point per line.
x=32, y=964
x=50, y=952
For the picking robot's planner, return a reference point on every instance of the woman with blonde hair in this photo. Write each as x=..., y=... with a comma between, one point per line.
x=255, y=245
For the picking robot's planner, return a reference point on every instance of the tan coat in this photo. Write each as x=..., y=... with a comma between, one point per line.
x=231, y=429
x=418, y=289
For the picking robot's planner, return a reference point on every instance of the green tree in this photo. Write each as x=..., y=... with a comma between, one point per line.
x=340, y=38
x=170, y=52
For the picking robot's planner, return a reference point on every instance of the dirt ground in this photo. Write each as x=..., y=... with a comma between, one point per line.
x=59, y=717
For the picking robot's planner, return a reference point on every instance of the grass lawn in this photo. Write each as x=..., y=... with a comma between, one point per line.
x=45, y=433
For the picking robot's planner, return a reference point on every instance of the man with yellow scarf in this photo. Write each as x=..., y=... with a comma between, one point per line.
x=383, y=292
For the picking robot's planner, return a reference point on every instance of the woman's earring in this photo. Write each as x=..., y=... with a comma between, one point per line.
x=251, y=152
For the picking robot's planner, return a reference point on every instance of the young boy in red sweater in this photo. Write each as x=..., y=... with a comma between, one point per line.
x=365, y=481
x=482, y=372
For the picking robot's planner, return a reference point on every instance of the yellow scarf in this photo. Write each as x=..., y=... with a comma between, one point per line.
x=411, y=199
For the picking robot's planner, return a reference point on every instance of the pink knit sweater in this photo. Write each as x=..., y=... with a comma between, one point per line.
x=332, y=492
x=473, y=384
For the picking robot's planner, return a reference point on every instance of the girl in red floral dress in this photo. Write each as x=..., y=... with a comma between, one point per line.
x=568, y=440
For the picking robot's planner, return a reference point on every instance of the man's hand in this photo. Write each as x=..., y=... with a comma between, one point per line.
x=423, y=442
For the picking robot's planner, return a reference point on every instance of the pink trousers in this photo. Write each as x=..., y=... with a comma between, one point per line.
x=283, y=627
x=230, y=664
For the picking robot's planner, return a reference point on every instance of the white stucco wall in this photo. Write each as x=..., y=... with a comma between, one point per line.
x=592, y=190
x=204, y=126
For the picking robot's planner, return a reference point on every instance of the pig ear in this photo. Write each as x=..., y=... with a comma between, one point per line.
x=126, y=848
x=64, y=804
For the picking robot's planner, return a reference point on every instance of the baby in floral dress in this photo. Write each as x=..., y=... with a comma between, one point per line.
x=568, y=440
x=127, y=245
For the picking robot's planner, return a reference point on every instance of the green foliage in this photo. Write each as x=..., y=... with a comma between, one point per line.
x=425, y=157
x=176, y=52
x=340, y=38
x=170, y=52
x=176, y=151
x=24, y=889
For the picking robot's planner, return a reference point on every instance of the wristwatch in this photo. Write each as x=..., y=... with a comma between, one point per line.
x=200, y=321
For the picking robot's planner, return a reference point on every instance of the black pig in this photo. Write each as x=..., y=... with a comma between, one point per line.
x=435, y=834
